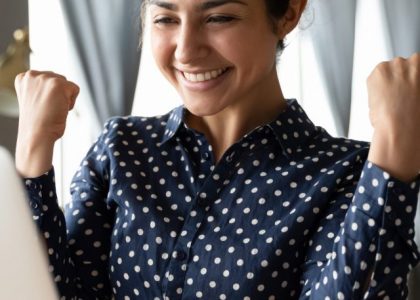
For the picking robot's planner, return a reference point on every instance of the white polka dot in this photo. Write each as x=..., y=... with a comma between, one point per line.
x=347, y=270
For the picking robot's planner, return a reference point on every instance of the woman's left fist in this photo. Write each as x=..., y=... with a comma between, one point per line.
x=394, y=111
x=394, y=95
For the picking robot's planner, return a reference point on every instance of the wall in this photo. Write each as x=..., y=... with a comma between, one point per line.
x=13, y=15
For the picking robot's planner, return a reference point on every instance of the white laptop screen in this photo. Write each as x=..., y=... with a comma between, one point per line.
x=23, y=262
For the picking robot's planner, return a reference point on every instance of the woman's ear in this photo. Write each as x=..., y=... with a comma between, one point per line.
x=291, y=18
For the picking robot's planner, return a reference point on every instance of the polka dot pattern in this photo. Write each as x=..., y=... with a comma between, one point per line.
x=288, y=212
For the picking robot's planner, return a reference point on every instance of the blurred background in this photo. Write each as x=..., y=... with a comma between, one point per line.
x=14, y=56
x=95, y=43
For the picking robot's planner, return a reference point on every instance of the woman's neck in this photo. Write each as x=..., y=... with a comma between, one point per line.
x=228, y=126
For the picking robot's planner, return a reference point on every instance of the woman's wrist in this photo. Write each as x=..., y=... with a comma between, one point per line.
x=33, y=158
x=395, y=154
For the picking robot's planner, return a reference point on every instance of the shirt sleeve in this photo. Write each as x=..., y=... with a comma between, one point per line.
x=371, y=254
x=77, y=240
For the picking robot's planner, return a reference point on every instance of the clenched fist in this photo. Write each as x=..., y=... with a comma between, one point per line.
x=394, y=103
x=45, y=98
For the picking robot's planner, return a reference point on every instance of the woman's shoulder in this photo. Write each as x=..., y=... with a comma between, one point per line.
x=337, y=148
x=136, y=125
x=335, y=142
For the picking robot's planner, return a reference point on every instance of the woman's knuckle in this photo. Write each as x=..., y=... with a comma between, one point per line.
x=31, y=73
x=416, y=56
x=382, y=66
x=19, y=77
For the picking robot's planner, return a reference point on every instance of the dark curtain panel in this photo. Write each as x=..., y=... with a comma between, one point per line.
x=106, y=36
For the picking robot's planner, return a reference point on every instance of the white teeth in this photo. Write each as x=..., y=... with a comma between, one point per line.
x=200, y=77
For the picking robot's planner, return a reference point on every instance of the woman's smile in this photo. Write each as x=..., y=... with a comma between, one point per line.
x=203, y=76
x=204, y=80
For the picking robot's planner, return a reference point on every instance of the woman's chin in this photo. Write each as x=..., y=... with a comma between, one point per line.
x=202, y=110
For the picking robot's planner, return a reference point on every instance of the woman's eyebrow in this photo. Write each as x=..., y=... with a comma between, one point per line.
x=203, y=6
x=164, y=4
x=215, y=3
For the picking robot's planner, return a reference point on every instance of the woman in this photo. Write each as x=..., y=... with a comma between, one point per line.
x=236, y=194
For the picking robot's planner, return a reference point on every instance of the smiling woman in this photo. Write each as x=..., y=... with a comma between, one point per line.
x=235, y=194
x=220, y=37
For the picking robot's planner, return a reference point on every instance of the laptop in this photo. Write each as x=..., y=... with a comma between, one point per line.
x=23, y=258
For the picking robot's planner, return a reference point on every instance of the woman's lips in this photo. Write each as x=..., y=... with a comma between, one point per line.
x=203, y=76
x=202, y=81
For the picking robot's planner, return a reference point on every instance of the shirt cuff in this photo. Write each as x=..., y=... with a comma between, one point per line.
x=379, y=194
x=41, y=192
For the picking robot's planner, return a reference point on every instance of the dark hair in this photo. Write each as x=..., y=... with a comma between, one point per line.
x=276, y=9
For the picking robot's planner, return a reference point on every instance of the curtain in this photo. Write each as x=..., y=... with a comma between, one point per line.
x=332, y=36
x=384, y=29
x=106, y=38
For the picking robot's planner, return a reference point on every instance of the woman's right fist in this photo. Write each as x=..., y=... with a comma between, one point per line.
x=45, y=98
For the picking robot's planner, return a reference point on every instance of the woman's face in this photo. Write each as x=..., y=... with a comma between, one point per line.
x=216, y=53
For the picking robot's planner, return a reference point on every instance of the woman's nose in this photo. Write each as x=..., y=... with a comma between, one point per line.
x=190, y=45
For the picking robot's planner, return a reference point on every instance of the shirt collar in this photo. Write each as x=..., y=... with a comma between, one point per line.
x=176, y=118
x=292, y=127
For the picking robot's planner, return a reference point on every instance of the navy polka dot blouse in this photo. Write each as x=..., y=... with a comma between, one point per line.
x=287, y=213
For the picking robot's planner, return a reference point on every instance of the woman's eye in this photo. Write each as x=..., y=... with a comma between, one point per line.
x=164, y=20
x=220, y=19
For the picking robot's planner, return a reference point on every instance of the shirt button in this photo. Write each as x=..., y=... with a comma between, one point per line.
x=34, y=205
x=206, y=156
x=32, y=185
x=181, y=255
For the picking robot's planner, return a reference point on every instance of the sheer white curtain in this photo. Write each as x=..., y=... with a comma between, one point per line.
x=332, y=36
x=384, y=29
x=105, y=35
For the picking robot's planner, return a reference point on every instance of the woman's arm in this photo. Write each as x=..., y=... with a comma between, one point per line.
x=78, y=242
x=45, y=99
x=373, y=249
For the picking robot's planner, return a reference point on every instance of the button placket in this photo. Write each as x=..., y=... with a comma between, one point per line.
x=183, y=245
x=202, y=202
x=181, y=255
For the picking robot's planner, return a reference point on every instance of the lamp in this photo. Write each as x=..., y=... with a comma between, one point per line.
x=14, y=61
